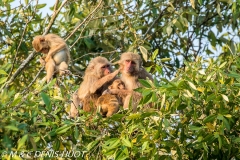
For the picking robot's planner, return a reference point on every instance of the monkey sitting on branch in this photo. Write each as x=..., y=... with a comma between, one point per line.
x=98, y=76
x=131, y=71
x=57, y=55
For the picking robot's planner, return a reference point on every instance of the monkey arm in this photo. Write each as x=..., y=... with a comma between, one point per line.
x=120, y=92
x=143, y=74
x=53, y=50
x=99, y=83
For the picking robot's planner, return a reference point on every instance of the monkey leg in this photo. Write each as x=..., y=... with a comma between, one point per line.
x=63, y=68
x=89, y=103
x=127, y=101
x=50, y=67
x=112, y=109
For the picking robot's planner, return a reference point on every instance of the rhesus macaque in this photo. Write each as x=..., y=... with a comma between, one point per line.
x=97, y=78
x=110, y=103
x=131, y=70
x=57, y=54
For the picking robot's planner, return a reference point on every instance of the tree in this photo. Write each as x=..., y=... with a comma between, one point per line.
x=171, y=36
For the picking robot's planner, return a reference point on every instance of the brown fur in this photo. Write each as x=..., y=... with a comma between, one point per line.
x=110, y=103
x=97, y=78
x=57, y=54
x=131, y=70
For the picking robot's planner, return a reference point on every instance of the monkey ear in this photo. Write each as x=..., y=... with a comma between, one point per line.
x=110, y=87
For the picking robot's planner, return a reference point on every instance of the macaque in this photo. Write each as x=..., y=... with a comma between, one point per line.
x=98, y=76
x=131, y=70
x=57, y=55
x=110, y=103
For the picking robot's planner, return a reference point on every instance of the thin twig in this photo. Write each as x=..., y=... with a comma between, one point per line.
x=90, y=15
x=83, y=30
x=154, y=22
x=33, y=80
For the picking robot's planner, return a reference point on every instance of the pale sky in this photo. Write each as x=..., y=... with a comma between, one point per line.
x=46, y=9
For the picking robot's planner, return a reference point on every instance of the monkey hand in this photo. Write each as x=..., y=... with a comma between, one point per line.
x=110, y=76
x=116, y=72
x=47, y=58
x=121, y=67
x=119, y=92
x=42, y=61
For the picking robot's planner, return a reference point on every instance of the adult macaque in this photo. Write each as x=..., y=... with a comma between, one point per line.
x=110, y=103
x=131, y=70
x=57, y=54
x=97, y=78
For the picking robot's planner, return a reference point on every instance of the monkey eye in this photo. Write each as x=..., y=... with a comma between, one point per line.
x=129, y=61
x=106, y=66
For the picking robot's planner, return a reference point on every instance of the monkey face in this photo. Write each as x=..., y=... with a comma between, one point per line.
x=129, y=66
x=117, y=84
x=130, y=63
x=40, y=45
x=106, y=69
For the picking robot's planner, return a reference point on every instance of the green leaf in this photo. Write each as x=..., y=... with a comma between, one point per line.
x=22, y=141
x=192, y=85
x=26, y=2
x=226, y=123
x=144, y=53
x=219, y=10
x=63, y=129
x=133, y=116
x=126, y=142
x=234, y=75
x=3, y=72
x=163, y=100
x=89, y=43
x=210, y=118
x=169, y=30
x=220, y=142
x=223, y=64
x=39, y=6
x=13, y=128
x=92, y=144
x=46, y=100
x=194, y=128
x=145, y=145
x=154, y=54
x=145, y=83
x=236, y=140
x=111, y=143
x=76, y=132
x=166, y=59
x=3, y=80
x=225, y=97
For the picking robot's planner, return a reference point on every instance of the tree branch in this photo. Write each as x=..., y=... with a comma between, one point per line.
x=90, y=15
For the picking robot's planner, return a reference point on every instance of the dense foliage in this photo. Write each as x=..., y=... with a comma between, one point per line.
x=195, y=114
